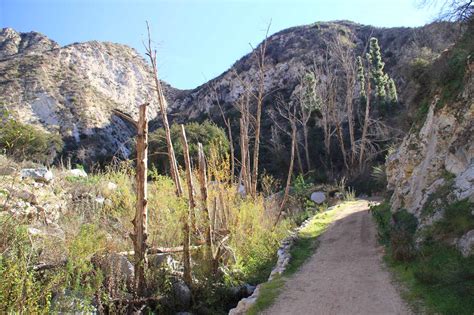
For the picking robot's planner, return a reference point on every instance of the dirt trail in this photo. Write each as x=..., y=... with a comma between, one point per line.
x=345, y=275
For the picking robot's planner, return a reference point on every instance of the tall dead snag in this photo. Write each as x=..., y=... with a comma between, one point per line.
x=245, y=173
x=163, y=105
x=326, y=91
x=344, y=55
x=258, y=94
x=204, y=203
x=289, y=114
x=259, y=97
x=337, y=118
x=190, y=213
x=139, y=236
x=308, y=102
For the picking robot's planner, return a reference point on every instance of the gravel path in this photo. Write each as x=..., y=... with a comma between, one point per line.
x=345, y=275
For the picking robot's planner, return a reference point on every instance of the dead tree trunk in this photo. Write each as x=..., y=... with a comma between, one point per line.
x=289, y=113
x=190, y=214
x=244, y=153
x=365, y=127
x=258, y=118
x=299, y=159
x=290, y=170
x=204, y=203
x=306, y=146
x=139, y=236
x=232, y=154
x=163, y=105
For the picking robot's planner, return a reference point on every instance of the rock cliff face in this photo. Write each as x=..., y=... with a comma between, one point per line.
x=439, y=156
x=72, y=90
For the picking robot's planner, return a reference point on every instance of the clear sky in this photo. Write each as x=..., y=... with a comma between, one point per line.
x=196, y=39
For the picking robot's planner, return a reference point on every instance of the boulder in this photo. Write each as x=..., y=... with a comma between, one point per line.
x=77, y=172
x=7, y=170
x=181, y=295
x=241, y=190
x=24, y=195
x=70, y=302
x=318, y=197
x=243, y=291
x=107, y=189
x=162, y=260
x=38, y=174
x=466, y=244
x=464, y=183
x=117, y=269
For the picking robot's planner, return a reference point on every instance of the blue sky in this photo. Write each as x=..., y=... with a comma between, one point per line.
x=196, y=40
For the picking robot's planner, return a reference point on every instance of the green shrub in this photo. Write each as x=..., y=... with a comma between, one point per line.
x=437, y=273
x=300, y=190
x=403, y=228
x=379, y=175
x=25, y=142
x=457, y=219
x=382, y=216
x=206, y=133
x=21, y=288
x=441, y=277
x=396, y=230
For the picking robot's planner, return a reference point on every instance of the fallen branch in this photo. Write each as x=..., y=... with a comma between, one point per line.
x=49, y=266
x=161, y=250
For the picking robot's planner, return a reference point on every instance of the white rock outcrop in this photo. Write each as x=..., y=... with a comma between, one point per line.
x=77, y=172
x=426, y=160
x=38, y=174
x=466, y=244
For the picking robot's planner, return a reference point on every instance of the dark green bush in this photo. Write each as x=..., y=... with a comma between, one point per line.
x=402, y=233
x=382, y=216
x=437, y=273
x=396, y=230
x=457, y=219
x=25, y=142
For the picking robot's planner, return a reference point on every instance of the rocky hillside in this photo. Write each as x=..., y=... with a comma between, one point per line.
x=291, y=51
x=72, y=90
x=433, y=168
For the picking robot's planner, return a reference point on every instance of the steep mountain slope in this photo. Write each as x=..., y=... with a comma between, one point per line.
x=73, y=89
x=291, y=51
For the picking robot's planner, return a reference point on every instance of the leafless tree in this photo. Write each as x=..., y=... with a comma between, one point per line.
x=307, y=103
x=326, y=96
x=258, y=94
x=190, y=214
x=139, y=236
x=288, y=112
x=451, y=10
x=342, y=51
x=151, y=53
x=204, y=204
